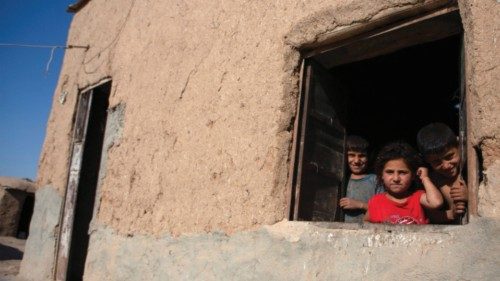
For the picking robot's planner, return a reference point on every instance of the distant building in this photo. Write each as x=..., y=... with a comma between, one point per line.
x=16, y=206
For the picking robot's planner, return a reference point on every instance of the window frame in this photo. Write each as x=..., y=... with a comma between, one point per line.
x=353, y=36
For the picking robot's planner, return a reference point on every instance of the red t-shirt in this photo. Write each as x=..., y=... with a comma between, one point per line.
x=383, y=210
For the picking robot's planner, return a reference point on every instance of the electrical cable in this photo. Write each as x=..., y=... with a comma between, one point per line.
x=43, y=46
x=52, y=47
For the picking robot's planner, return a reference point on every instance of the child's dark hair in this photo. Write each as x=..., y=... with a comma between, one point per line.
x=435, y=138
x=397, y=150
x=356, y=143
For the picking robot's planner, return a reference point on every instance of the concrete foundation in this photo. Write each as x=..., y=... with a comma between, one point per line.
x=302, y=251
x=38, y=259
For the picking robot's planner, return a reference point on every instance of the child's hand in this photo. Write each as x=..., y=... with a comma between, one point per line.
x=458, y=193
x=460, y=208
x=351, y=204
x=423, y=173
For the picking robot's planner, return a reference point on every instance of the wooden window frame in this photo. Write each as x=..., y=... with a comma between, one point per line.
x=380, y=31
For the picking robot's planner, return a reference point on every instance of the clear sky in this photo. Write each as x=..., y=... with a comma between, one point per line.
x=25, y=89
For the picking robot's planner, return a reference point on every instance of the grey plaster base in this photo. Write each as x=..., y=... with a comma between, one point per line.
x=302, y=251
x=38, y=259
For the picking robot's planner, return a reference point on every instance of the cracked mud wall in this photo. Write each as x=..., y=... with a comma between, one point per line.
x=481, y=34
x=301, y=251
x=210, y=92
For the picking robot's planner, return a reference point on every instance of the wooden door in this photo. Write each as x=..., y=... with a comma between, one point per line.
x=88, y=137
x=462, y=117
x=79, y=136
x=321, y=150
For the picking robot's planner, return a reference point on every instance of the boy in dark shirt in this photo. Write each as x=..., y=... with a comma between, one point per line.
x=362, y=186
x=439, y=147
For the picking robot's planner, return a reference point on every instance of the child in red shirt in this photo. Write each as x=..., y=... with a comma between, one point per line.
x=396, y=167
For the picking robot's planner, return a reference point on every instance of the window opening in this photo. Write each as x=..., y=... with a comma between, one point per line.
x=383, y=86
x=88, y=136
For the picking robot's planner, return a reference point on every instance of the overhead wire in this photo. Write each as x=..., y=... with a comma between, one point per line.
x=52, y=47
x=43, y=46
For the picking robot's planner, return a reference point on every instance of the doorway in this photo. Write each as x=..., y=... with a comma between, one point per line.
x=88, y=137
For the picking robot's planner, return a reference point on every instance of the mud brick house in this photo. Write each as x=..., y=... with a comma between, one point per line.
x=204, y=140
x=16, y=206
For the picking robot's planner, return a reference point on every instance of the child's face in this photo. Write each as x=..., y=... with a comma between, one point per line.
x=396, y=176
x=357, y=162
x=446, y=163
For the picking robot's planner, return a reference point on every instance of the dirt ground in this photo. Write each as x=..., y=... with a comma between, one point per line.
x=11, y=254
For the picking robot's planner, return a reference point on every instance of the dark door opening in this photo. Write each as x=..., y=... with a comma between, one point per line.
x=383, y=86
x=25, y=218
x=88, y=137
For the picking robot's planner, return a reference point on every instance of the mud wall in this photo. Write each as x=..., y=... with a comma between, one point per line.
x=11, y=204
x=13, y=194
x=482, y=28
x=210, y=92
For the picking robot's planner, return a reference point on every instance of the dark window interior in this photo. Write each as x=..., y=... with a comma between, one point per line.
x=393, y=96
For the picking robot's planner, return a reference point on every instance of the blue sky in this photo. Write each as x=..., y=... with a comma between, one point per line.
x=25, y=89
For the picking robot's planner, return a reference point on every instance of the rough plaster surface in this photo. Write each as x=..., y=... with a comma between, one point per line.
x=11, y=205
x=489, y=192
x=300, y=251
x=210, y=89
x=38, y=259
x=482, y=26
x=13, y=192
x=17, y=184
x=481, y=29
